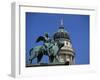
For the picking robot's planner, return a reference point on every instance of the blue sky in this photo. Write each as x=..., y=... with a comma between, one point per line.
x=76, y=25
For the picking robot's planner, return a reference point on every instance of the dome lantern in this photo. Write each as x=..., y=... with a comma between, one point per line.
x=61, y=33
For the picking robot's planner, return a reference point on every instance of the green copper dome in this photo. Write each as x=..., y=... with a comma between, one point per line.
x=61, y=33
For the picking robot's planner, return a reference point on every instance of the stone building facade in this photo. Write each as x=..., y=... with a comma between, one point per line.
x=67, y=53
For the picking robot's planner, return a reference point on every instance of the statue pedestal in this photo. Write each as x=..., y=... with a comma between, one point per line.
x=45, y=64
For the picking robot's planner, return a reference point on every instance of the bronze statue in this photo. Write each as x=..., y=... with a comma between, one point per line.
x=49, y=48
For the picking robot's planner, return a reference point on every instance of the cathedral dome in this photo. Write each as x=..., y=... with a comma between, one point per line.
x=66, y=53
x=61, y=34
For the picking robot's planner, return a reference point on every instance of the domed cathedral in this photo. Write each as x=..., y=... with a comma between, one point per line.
x=66, y=54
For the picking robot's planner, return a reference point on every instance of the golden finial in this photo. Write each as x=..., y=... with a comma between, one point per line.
x=62, y=21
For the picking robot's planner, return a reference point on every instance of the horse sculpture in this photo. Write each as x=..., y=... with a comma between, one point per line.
x=51, y=51
x=36, y=52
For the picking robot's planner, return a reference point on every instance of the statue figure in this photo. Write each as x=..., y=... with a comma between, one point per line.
x=54, y=52
x=49, y=48
x=47, y=42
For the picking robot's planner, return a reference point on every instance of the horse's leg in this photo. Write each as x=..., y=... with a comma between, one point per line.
x=39, y=57
x=51, y=58
x=33, y=55
x=30, y=61
x=56, y=58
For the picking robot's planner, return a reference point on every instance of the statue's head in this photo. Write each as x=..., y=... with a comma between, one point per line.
x=46, y=34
